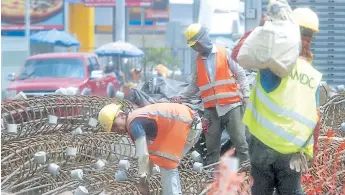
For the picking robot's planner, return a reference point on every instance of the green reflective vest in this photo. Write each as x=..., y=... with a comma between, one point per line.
x=285, y=118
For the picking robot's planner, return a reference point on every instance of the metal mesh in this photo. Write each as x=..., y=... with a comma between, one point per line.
x=327, y=174
x=34, y=132
x=32, y=116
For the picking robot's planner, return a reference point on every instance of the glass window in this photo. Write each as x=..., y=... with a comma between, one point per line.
x=94, y=63
x=53, y=68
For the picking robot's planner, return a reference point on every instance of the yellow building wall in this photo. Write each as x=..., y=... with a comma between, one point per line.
x=82, y=24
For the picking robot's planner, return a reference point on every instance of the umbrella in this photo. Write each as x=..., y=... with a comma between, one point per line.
x=55, y=37
x=119, y=49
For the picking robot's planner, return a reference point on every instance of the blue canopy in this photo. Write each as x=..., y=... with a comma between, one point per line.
x=55, y=37
x=120, y=49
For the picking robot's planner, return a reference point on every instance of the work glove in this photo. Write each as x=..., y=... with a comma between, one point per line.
x=245, y=101
x=205, y=124
x=144, y=185
x=299, y=163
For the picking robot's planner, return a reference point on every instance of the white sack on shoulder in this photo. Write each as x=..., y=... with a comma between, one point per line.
x=276, y=45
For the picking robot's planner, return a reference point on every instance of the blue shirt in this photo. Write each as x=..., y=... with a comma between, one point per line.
x=269, y=82
x=143, y=127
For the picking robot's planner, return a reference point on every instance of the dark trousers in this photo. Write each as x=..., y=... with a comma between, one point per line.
x=270, y=170
x=232, y=121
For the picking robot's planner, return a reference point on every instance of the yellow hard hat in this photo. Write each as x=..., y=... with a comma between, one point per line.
x=306, y=18
x=191, y=31
x=107, y=115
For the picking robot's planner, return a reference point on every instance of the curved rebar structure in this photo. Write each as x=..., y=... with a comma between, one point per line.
x=35, y=132
x=327, y=174
x=35, y=116
x=59, y=125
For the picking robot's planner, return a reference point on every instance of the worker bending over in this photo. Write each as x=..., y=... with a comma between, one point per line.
x=224, y=88
x=281, y=116
x=163, y=133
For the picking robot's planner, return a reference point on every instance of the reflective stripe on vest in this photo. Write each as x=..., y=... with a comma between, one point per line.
x=173, y=127
x=286, y=113
x=220, y=96
x=168, y=115
x=278, y=130
x=217, y=83
x=165, y=155
x=284, y=119
x=223, y=90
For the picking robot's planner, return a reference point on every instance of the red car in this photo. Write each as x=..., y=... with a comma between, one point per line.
x=45, y=73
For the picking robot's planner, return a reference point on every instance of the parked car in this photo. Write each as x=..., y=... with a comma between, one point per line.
x=45, y=73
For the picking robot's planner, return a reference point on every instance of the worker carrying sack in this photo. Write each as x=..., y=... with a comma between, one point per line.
x=275, y=45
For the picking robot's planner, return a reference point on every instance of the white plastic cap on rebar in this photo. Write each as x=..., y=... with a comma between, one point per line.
x=52, y=119
x=40, y=157
x=119, y=95
x=124, y=165
x=77, y=131
x=198, y=167
x=12, y=128
x=20, y=96
x=196, y=156
x=81, y=190
x=99, y=164
x=71, y=151
x=120, y=176
x=77, y=174
x=53, y=169
x=93, y=122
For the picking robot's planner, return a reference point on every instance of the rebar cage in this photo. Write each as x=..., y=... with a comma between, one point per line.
x=58, y=124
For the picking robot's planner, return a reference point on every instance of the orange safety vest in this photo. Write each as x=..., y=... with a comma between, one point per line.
x=173, y=124
x=135, y=76
x=224, y=88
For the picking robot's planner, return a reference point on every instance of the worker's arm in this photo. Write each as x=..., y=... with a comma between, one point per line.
x=240, y=75
x=192, y=88
x=269, y=82
x=141, y=151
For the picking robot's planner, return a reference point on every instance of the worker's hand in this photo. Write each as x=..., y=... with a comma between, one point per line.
x=245, y=101
x=144, y=185
x=299, y=163
x=205, y=124
x=176, y=99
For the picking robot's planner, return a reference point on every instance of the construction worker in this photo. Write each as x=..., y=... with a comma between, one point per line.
x=136, y=74
x=163, y=133
x=224, y=89
x=162, y=71
x=281, y=116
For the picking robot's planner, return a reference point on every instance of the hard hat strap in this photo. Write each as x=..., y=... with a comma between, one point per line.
x=306, y=32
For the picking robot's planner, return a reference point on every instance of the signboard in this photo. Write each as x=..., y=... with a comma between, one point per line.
x=156, y=17
x=106, y=3
x=157, y=14
x=45, y=15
